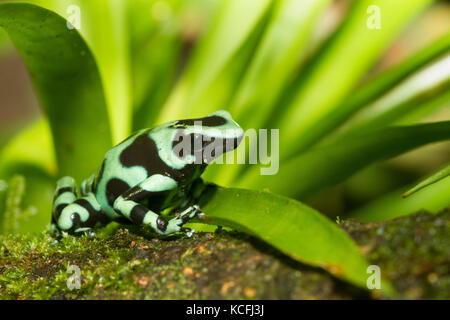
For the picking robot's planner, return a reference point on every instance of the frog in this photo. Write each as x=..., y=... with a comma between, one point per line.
x=152, y=171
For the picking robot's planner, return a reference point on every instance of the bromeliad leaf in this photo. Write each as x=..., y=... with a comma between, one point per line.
x=67, y=80
x=325, y=166
x=441, y=174
x=434, y=198
x=275, y=61
x=377, y=87
x=290, y=226
x=425, y=86
x=342, y=64
x=234, y=24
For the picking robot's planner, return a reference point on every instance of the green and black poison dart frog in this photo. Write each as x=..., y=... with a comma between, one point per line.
x=152, y=170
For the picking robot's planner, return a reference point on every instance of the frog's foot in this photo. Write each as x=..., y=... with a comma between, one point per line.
x=55, y=232
x=189, y=232
x=74, y=215
x=176, y=224
x=190, y=213
x=85, y=231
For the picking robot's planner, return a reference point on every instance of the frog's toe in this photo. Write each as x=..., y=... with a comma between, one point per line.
x=54, y=231
x=190, y=213
x=189, y=232
x=91, y=233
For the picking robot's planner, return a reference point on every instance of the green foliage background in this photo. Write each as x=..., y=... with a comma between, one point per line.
x=137, y=63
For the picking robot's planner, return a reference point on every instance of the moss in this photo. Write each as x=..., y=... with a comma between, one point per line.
x=413, y=252
x=131, y=264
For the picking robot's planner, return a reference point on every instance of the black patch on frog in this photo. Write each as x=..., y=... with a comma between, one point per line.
x=94, y=215
x=143, y=153
x=156, y=202
x=137, y=214
x=161, y=223
x=58, y=210
x=212, y=121
x=85, y=204
x=136, y=193
x=122, y=219
x=76, y=222
x=98, y=177
x=114, y=188
x=63, y=190
x=210, y=148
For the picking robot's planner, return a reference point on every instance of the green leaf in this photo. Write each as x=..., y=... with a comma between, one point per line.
x=103, y=24
x=4, y=43
x=434, y=198
x=33, y=145
x=67, y=80
x=351, y=53
x=383, y=82
x=328, y=165
x=293, y=228
x=155, y=50
x=426, y=110
x=425, y=86
x=375, y=88
x=441, y=174
x=161, y=36
x=276, y=60
x=105, y=30
x=29, y=160
x=233, y=25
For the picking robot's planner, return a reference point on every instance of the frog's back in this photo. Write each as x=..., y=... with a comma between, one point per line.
x=122, y=169
x=131, y=162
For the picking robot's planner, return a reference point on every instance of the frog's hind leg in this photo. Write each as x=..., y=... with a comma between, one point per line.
x=128, y=206
x=72, y=215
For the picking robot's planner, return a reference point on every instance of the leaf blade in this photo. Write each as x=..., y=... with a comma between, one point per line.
x=325, y=166
x=374, y=88
x=233, y=26
x=339, y=69
x=68, y=83
x=441, y=174
x=432, y=199
x=293, y=228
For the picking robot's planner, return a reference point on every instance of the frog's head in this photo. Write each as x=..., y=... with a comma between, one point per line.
x=204, y=139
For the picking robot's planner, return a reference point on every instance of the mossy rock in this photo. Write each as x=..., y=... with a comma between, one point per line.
x=412, y=252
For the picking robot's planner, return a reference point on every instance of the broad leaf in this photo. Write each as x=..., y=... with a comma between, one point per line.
x=293, y=228
x=103, y=25
x=67, y=80
x=327, y=165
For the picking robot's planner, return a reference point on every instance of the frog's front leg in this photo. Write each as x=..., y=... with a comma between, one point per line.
x=192, y=197
x=73, y=215
x=128, y=205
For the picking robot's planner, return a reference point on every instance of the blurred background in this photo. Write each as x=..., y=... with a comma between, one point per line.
x=144, y=48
